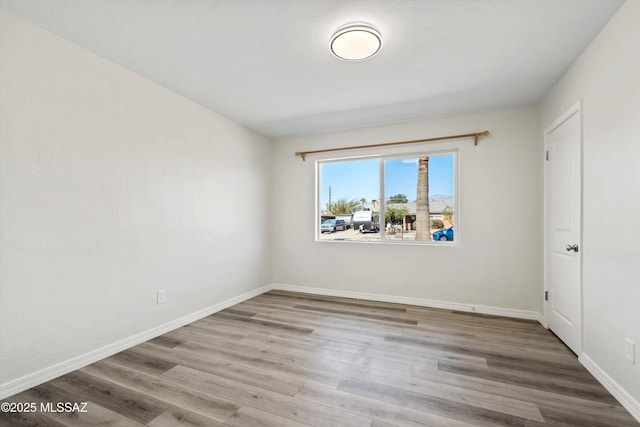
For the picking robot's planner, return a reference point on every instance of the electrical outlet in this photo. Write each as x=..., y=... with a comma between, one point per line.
x=161, y=297
x=630, y=350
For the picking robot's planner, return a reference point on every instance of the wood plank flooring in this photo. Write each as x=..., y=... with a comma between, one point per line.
x=285, y=359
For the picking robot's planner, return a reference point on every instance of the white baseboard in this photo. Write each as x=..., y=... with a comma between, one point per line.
x=543, y=320
x=31, y=380
x=483, y=309
x=621, y=395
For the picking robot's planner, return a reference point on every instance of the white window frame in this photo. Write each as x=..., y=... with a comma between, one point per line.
x=382, y=158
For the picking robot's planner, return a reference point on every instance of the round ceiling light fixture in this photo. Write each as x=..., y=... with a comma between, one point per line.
x=356, y=41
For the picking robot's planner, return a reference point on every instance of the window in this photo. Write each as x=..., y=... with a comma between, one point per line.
x=388, y=199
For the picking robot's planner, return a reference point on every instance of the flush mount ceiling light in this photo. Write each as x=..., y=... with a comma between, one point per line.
x=356, y=41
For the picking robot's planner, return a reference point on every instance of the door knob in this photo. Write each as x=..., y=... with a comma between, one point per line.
x=573, y=248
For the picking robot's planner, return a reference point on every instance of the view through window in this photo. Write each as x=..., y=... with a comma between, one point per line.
x=390, y=199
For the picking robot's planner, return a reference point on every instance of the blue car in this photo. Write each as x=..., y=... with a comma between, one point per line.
x=444, y=235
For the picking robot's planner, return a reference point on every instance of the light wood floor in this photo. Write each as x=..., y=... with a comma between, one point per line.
x=284, y=359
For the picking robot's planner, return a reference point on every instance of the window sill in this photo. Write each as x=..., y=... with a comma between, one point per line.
x=390, y=242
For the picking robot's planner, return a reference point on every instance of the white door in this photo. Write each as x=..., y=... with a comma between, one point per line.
x=564, y=225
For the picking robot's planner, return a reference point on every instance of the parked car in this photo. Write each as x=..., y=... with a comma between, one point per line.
x=347, y=219
x=444, y=235
x=332, y=225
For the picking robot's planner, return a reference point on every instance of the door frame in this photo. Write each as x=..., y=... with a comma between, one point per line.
x=575, y=109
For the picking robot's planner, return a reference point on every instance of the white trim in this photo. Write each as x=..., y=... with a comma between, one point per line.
x=543, y=320
x=483, y=309
x=621, y=395
x=396, y=154
x=571, y=111
x=31, y=380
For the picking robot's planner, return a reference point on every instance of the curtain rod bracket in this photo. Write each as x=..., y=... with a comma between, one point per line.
x=485, y=133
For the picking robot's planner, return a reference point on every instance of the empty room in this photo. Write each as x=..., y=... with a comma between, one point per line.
x=320, y=213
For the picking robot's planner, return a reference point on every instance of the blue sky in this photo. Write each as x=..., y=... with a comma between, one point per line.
x=360, y=178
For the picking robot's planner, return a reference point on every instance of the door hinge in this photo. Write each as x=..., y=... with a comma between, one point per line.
x=546, y=295
x=546, y=155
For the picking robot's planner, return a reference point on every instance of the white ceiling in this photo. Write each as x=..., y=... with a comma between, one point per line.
x=267, y=65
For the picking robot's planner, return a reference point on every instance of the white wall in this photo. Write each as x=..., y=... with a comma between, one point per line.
x=112, y=187
x=499, y=224
x=607, y=79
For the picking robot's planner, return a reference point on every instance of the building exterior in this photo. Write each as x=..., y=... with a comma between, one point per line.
x=437, y=211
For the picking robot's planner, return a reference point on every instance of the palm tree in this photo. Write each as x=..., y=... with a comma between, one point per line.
x=447, y=214
x=362, y=202
x=422, y=200
x=373, y=203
